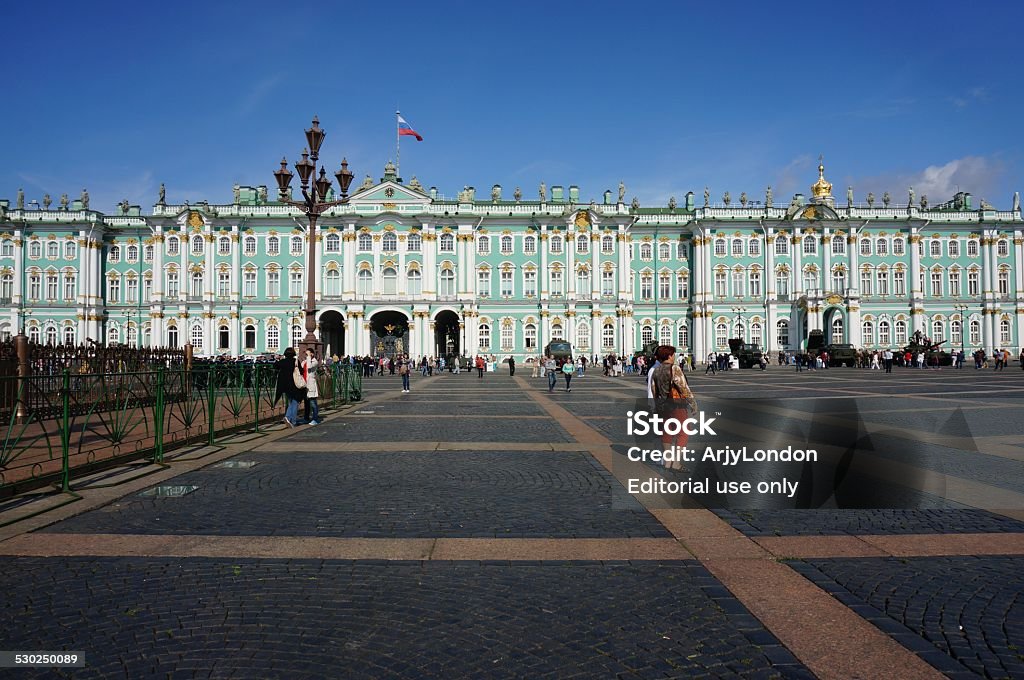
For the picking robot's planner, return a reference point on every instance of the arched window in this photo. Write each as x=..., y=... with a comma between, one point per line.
x=447, y=282
x=332, y=243
x=881, y=247
x=273, y=338
x=172, y=337
x=297, y=335
x=69, y=335
x=608, y=336
x=196, y=337
x=414, y=280
x=975, y=327
x=414, y=242
x=506, y=245
x=249, y=245
x=51, y=335
x=1005, y=338
x=223, y=246
x=71, y=250
x=867, y=332
x=646, y=335
x=364, y=282
x=582, y=244
x=756, y=335
x=901, y=331
x=583, y=281
x=131, y=336
x=446, y=244
x=484, y=333
x=583, y=335
x=147, y=254
x=389, y=242
x=295, y=245
x=607, y=245
x=837, y=329
x=937, y=330
x=782, y=333
x=721, y=335
x=530, y=336
x=390, y=277
x=683, y=335
x=249, y=337
x=173, y=246
x=665, y=334
x=132, y=253
x=364, y=244
x=483, y=245
x=810, y=245
x=956, y=332
x=557, y=332
x=113, y=335
x=197, y=245
x=720, y=247
x=529, y=245
x=754, y=248
x=332, y=283
x=1002, y=248
x=646, y=251
x=223, y=337
x=113, y=255
x=196, y=289
x=556, y=244
x=35, y=249
x=664, y=251
x=883, y=333
x=52, y=250
x=737, y=247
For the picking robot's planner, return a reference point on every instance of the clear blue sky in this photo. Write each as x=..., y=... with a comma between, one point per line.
x=668, y=97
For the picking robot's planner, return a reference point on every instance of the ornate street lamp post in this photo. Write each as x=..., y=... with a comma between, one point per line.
x=313, y=205
x=962, y=308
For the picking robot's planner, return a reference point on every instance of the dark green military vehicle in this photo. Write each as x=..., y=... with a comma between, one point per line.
x=841, y=355
x=748, y=355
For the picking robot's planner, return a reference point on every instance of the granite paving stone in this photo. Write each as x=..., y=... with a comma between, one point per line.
x=833, y=522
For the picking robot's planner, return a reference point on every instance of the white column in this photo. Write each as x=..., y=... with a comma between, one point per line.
x=429, y=271
x=595, y=265
x=826, y=255
x=622, y=245
x=596, y=325
x=915, y=280
x=543, y=274
x=798, y=275
x=570, y=266
x=403, y=280
x=348, y=246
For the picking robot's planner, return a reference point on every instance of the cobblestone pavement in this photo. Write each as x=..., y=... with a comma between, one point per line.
x=399, y=474
x=403, y=494
x=964, y=615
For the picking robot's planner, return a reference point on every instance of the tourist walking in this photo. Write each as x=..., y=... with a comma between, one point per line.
x=712, y=360
x=403, y=370
x=887, y=359
x=480, y=367
x=290, y=385
x=551, y=370
x=568, y=369
x=312, y=407
x=672, y=396
x=511, y=366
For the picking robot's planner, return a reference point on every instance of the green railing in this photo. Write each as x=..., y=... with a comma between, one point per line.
x=57, y=427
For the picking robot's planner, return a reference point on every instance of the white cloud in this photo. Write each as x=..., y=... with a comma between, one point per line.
x=975, y=174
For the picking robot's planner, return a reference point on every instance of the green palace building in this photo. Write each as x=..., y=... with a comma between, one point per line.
x=401, y=268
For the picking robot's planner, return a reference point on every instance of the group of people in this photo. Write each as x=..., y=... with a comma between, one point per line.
x=296, y=382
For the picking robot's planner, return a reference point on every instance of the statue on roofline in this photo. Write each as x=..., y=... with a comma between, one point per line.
x=849, y=197
x=162, y=195
x=622, y=191
x=768, y=197
x=543, y=191
x=47, y=201
x=85, y=199
x=517, y=194
x=64, y=201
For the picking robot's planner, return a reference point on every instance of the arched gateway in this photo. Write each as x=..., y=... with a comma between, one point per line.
x=389, y=333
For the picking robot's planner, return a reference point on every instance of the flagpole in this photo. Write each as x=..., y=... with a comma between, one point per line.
x=398, y=146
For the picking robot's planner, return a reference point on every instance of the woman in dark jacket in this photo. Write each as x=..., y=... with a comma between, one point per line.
x=286, y=386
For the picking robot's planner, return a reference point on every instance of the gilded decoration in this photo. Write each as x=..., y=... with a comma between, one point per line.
x=822, y=188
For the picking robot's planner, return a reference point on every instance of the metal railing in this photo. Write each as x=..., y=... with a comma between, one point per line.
x=57, y=426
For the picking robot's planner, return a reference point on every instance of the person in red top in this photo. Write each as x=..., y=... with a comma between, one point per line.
x=480, y=367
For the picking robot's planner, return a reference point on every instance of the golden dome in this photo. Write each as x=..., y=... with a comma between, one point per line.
x=821, y=188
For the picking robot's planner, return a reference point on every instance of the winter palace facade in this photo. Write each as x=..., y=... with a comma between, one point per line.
x=401, y=269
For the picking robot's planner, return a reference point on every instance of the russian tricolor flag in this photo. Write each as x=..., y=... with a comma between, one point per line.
x=405, y=129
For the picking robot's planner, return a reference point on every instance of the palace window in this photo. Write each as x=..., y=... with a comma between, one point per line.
x=936, y=279
x=954, y=248
x=223, y=284
x=147, y=287
x=898, y=246
x=273, y=245
x=865, y=246
x=582, y=244
x=530, y=336
x=332, y=243
x=197, y=337
x=173, y=246
x=664, y=286
x=414, y=282
x=810, y=280
x=665, y=334
x=956, y=332
x=274, y=284
x=782, y=332
x=446, y=243
x=556, y=282
x=51, y=286
x=1004, y=332
x=113, y=255
x=249, y=245
x=865, y=283
x=782, y=284
x=937, y=330
x=390, y=280
x=506, y=245
x=975, y=332
x=646, y=251
x=810, y=245
x=530, y=283
x=507, y=337
x=756, y=335
x=132, y=254
x=867, y=332
x=295, y=245
x=35, y=249
x=720, y=284
x=113, y=335
x=197, y=245
x=113, y=288
x=52, y=249
x=754, y=248
x=781, y=245
x=172, y=336
x=883, y=333
x=295, y=285
x=839, y=280
x=447, y=283
x=556, y=245
x=737, y=247
x=197, y=285
x=172, y=285
x=608, y=336
x=332, y=283
x=646, y=286
x=483, y=283
x=69, y=335
x=484, y=334
x=607, y=283
x=147, y=253
x=131, y=287
x=1003, y=283
x=681, y=250
x=530, y=245
x=646, y=335
x=249, y=284
x=364, y=282
x=583, y=335
x=881, y=247
x=973, y=283
x=721, y=336
x=414, y=243
x=70, y=288
x=683, y=335
x=7, y=248
x=557, y=332
x=901, y=332
x=664, y=252
x=682, y=285
x=273, y=338
x=837, y=329
x=954, y=283
x=223, y=337
x=389, y=242
x=506, y=283
x=483, y=245
x=720, y=247
x=249, y=337
x=1002, y=248
x=223, y=246
x=899, y=283
x=972, y=248
x=364, y=244
x=755, y=284
x=882, y=279
x=935, y=247
x=297, y=335
x=839, y=245
x=607, y=245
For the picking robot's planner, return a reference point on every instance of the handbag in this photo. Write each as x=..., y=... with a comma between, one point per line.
x=300, y=382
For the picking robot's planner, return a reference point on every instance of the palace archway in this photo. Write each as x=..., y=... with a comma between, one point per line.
x=389, y=333
x=447, y=335
x=332, y=332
